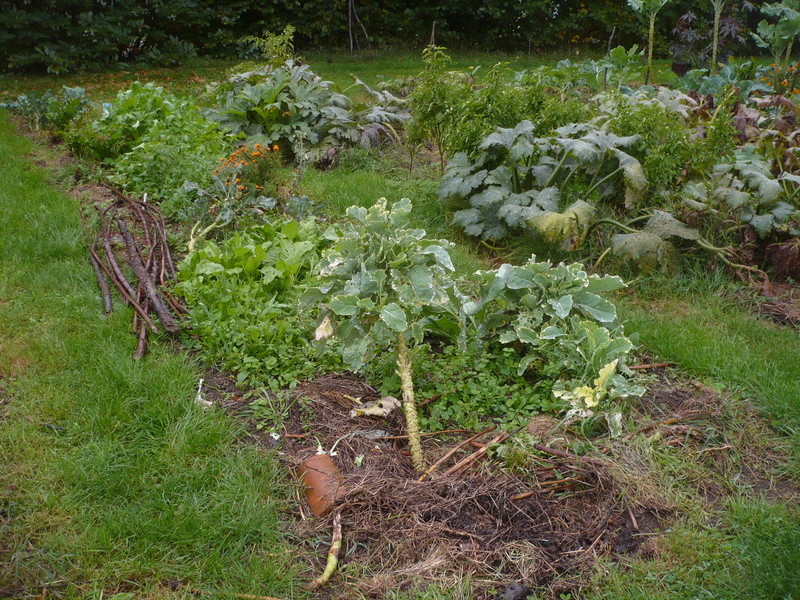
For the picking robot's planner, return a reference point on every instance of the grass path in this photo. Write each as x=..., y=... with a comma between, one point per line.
x=112, y=479
x=716, y=338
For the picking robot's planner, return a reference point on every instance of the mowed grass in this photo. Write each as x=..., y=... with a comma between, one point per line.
x=371, y=66
x=112, y=478
x=697, y=322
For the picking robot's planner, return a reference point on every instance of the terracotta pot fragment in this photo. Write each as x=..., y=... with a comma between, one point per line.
x=322, y=482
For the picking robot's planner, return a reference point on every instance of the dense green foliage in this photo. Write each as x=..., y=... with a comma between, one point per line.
x=292, y=107
x=153, y=141
x=242, y=295
x=455, y=111
x=48, y=110
x=68, y=35
x=382, y=278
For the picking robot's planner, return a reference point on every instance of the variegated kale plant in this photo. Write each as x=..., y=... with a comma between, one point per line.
x=382, y=285
x=563, y=329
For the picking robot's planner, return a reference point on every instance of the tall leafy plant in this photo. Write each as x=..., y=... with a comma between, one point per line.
x=381, y=286
x=778, y=37
x=718, y=6
x=650, y=9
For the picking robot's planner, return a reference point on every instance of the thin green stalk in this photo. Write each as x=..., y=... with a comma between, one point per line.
x=409, y=407
x=591, y=228
x=602, y=181
x=651, y=37
x=557, y=169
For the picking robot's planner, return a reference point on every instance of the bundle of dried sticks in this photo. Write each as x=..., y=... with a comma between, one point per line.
x=132, y=244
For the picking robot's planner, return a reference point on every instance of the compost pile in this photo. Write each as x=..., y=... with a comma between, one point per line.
x=543, y=524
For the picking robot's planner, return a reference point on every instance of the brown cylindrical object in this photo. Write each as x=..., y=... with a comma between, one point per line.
x=322, y=482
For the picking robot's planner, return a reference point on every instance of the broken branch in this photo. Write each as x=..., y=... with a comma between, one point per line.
x=455, y=449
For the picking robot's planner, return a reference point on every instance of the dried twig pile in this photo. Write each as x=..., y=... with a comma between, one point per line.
x=132, y=245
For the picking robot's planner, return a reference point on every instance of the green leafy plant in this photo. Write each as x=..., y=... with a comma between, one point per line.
x=619, y=66
x=47, y=110
x=242, y=295
x=664, y=147
x=276, y=49
x=565, y=331
x=778, y=37
x=141, y=114
x=221, y=205
x=289, y=106
x=456, y=112
x=745, y=189
x=650, y=9
x=738, y=75
x=382, y=286
x=545, y=186
x=470, y=385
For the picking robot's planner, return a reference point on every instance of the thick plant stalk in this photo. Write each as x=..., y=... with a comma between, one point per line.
x=651, y=39
x=333, y=554
x=409, y=407
x=718, y=6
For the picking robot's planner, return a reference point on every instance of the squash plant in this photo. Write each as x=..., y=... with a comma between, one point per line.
x=520, y=182
x=382, y=285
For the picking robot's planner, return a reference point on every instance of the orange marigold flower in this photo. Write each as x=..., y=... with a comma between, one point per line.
x=785, y=82
x=796, y=91
x=275, y=147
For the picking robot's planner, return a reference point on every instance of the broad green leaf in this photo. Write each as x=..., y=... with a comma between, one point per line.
x=206, y=267
x=441, y=255
x=562, y=306
x=596, y=307
x=344, y=305
x=609, y=283
x=394, y=317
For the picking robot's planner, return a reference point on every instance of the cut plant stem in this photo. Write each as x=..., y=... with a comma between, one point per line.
x=333, y=554
x=409, y=408
x=502, y=436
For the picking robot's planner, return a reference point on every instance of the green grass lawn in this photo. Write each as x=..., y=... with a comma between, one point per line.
x=112, y=478
x=370, y=66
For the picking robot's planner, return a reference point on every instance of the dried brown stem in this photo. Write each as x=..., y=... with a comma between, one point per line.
x=102, y=282
x=455, y=449
x=125, y=295
x=428, y=434
x=660, y=365
x=159, y=306
x=476, y=455
x=563, y=454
